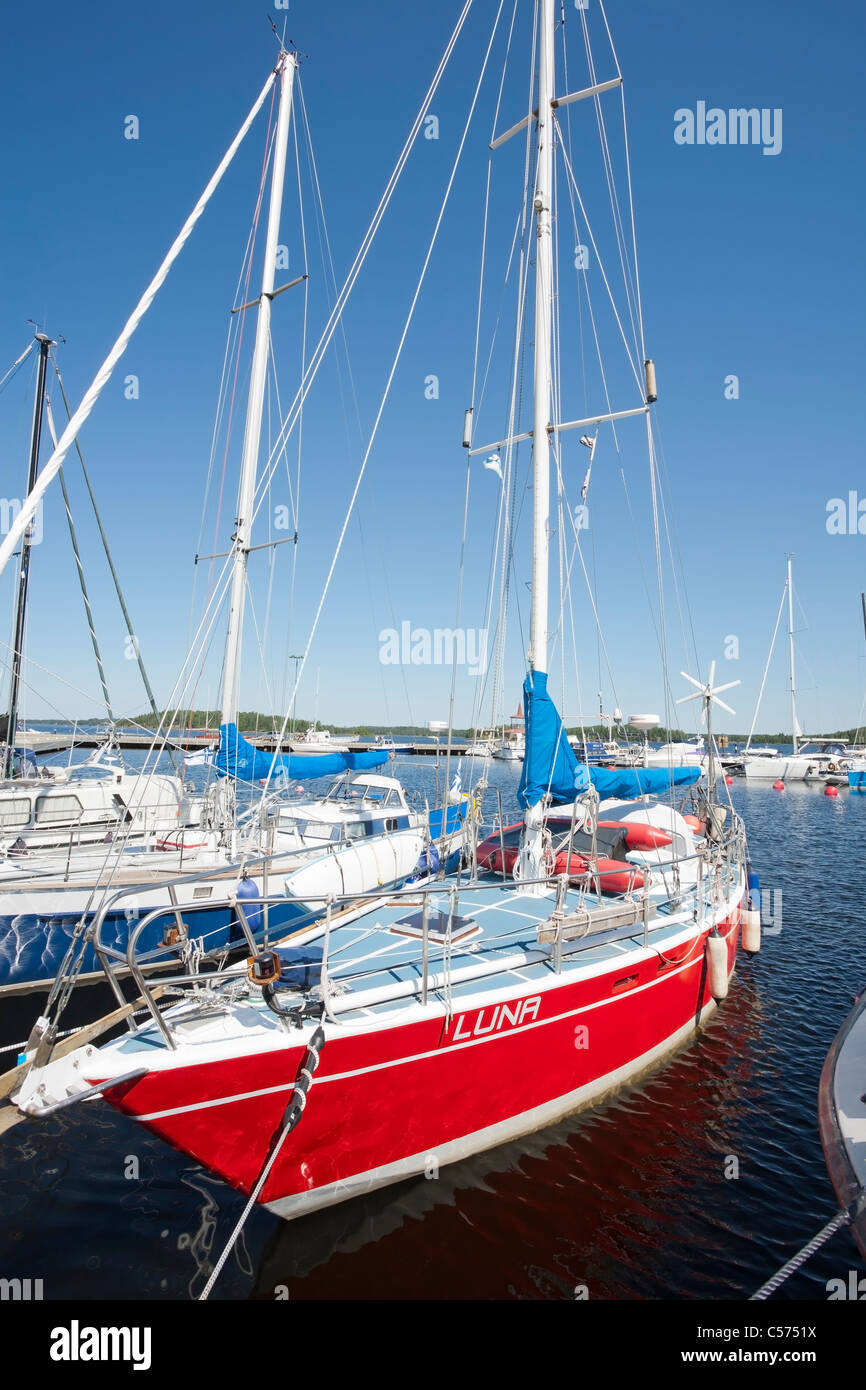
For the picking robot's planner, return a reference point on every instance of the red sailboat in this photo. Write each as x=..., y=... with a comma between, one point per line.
x=407, y=1030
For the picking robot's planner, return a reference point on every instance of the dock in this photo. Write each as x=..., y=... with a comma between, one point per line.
x=43, y=742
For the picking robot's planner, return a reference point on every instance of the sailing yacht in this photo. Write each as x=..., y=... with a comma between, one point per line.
x=811, y=758
x=511, y=747
x=454, y=1015
x=483, y=745
x=43, y=807
x=88, y=803
x=315, y=737
x=361, y=836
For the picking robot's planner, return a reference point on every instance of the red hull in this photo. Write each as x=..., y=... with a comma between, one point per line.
x=421, y=1091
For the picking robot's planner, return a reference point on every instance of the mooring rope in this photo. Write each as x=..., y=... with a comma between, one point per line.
x=292, y=1114
x=801, y=1257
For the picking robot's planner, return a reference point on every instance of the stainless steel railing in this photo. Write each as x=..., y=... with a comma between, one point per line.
x=725, y=859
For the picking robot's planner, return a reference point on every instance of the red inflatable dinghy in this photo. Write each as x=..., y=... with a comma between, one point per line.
x=639, y=835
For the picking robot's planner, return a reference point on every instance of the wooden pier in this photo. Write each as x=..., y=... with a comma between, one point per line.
x=195, y=741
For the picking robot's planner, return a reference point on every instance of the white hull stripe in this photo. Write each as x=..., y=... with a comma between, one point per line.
x=417, y=1056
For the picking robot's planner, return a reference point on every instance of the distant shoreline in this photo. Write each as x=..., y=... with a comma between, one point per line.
x=261, y=723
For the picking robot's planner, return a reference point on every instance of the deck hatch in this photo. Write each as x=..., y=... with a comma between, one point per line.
x=462, y=928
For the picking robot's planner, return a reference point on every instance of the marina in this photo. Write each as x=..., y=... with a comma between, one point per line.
x=476, y=997
x=631, y=1199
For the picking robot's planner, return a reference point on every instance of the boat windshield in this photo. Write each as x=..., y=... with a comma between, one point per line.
x=311, y=829
x=362, y=794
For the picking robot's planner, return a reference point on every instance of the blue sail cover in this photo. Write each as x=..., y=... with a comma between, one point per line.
x=639, y=781
x=549, y=764
x=235, y=757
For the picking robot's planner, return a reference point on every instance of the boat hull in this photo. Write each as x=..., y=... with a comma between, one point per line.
x=404, y=1098
x=842, y=1118
x=37, y=926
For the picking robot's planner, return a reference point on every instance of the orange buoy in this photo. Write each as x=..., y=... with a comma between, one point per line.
x=778, y=786
x=729, y=781
x=831, y=791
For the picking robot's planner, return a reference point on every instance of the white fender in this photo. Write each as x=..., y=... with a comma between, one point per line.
x=717, y=965
x=750, y=922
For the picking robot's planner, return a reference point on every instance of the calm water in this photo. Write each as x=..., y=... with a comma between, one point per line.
x=630, y=1199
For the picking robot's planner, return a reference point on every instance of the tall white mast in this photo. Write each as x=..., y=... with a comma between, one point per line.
x=542, y=371
x=255, y=403
x=531, y=850
x=794, y=725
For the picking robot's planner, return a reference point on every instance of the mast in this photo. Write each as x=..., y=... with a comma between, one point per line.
x=255, y=403
x=791, y=654
x=45, y=344
x=531, y=859
x=542, y=368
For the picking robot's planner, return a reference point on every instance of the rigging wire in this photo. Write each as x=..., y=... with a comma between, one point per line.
x=330, y=283
x=7, y=376
x=397, y=357
x=364, y=249
x=151, y=699
x=105, y=371
x=80, y=570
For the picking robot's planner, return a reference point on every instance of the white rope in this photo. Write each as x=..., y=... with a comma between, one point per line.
x=253, y=1198
x=22, y=520
x=801, y=1257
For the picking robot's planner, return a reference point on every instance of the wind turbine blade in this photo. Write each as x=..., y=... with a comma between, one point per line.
x=698, y=695
x=687, y=677
x=724, y=706
x=712, y=674
x=730, y=685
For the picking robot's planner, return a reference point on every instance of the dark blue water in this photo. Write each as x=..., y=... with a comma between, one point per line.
x=631, y=1200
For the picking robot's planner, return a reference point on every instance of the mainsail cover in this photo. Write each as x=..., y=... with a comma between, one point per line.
x=549, y=765
x=641, y=781
x=235, y=757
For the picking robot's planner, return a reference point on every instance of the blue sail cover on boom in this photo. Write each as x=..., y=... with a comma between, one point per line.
x=549, y=764
x=641, y=781
x=235, y=757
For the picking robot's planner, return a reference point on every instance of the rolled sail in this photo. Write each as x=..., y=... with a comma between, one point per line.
x=237, y=758
x=641, y=781
x=549, y=765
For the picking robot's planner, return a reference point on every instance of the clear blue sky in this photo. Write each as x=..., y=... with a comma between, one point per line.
x=751, y=265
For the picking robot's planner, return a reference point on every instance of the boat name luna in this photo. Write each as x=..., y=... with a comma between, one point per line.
x=514, y=1015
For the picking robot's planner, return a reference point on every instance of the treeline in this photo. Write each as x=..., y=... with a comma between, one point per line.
x=253, y=721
